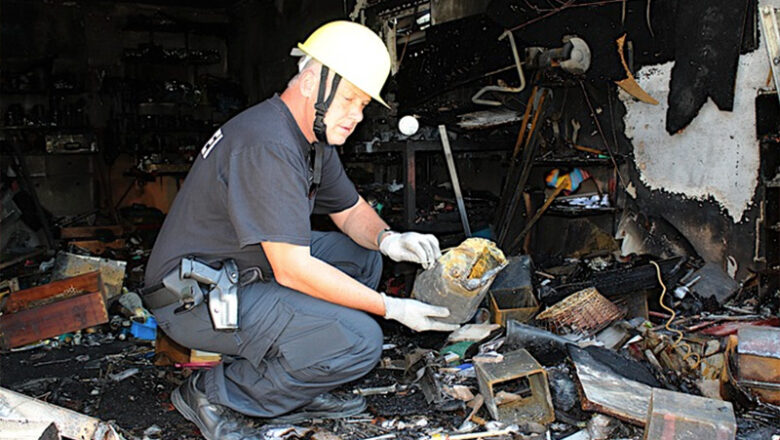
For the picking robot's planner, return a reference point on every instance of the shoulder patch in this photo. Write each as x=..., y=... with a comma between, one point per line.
x=212, y=142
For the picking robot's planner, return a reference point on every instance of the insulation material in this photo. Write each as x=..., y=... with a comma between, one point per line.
x=716, y=156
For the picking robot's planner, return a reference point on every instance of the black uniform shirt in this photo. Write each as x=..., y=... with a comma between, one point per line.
x=250, y=184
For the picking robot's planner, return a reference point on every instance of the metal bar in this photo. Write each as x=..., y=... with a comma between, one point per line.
x=21, y=258
x=524, y=124
x=445, y=142
x=510, y=174
x=476, y=98
x=410, y=186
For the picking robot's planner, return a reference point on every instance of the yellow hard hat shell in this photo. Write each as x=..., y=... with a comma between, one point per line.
x=353, y=51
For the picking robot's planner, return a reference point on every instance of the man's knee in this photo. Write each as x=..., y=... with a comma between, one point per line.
x=371, y=347
x=364, y=351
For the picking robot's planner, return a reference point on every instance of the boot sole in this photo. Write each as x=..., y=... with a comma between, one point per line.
x=187, y=412
x=303, y=416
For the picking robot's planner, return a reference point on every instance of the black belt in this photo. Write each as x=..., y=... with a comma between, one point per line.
x=159, y=297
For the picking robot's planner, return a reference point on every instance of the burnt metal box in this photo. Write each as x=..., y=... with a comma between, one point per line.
x=521, y=376
x=758, y=357
x=512, y=293
x=679, y=416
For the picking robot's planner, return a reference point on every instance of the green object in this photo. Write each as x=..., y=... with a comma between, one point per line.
x=457, y=348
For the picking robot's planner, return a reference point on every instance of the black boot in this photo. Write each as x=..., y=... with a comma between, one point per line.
x=216, y=422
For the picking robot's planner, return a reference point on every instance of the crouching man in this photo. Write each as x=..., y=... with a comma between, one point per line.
x=289, y=304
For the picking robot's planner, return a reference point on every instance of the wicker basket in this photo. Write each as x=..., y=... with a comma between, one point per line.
x=584, y=313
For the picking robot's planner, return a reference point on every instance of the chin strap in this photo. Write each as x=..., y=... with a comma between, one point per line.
x=317, y=151
x=320, y=129
x=322, y=104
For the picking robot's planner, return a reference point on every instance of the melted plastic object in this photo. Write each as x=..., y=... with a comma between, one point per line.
x=460, y=278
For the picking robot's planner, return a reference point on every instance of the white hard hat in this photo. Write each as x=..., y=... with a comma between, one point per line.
x=353, y=51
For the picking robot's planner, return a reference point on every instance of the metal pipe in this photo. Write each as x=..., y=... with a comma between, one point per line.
x=476, y=99
x=445, y=142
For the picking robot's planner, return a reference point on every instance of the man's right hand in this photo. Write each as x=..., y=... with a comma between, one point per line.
x=417, y=315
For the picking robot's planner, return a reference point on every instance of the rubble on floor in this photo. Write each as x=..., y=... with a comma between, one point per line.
x=582, y=349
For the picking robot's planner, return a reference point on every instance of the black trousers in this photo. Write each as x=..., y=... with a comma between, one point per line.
x=290, y=346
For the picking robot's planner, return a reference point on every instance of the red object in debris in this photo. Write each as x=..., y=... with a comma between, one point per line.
x=395, y=287
x=731, y=328
x=207, y=364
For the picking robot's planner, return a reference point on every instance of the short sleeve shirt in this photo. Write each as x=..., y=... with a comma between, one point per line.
x=250, y=184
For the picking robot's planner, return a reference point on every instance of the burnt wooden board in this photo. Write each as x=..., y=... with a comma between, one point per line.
x=57, y=290
x=53, y=309
x=68, y=315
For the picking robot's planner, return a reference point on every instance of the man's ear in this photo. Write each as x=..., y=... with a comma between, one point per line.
x=308, y=84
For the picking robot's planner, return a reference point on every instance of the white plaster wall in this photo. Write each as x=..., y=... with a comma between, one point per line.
x=716, y=155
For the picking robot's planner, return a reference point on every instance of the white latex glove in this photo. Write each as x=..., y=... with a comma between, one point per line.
x=416, y=314
x=411, y=246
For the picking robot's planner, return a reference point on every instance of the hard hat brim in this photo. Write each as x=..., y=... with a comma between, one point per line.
x=300, y=51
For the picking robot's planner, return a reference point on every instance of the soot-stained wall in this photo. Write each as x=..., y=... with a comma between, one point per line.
x=703, y=179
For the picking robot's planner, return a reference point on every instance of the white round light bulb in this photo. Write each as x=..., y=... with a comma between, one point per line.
x=408, y=125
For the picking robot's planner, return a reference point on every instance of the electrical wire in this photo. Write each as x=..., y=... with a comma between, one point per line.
x=564, y=4
x=679, y=342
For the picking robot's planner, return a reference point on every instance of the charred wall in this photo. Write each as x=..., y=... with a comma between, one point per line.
x=691, y=163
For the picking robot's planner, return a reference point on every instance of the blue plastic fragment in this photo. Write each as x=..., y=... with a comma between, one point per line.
x=146, y=331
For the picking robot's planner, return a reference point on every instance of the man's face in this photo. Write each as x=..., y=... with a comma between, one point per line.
x=345, y=112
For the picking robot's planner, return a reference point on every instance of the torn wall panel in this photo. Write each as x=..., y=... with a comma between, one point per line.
x=716, y=156
x=708, y=39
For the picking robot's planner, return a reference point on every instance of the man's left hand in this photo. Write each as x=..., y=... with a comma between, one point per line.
x=411, y=246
